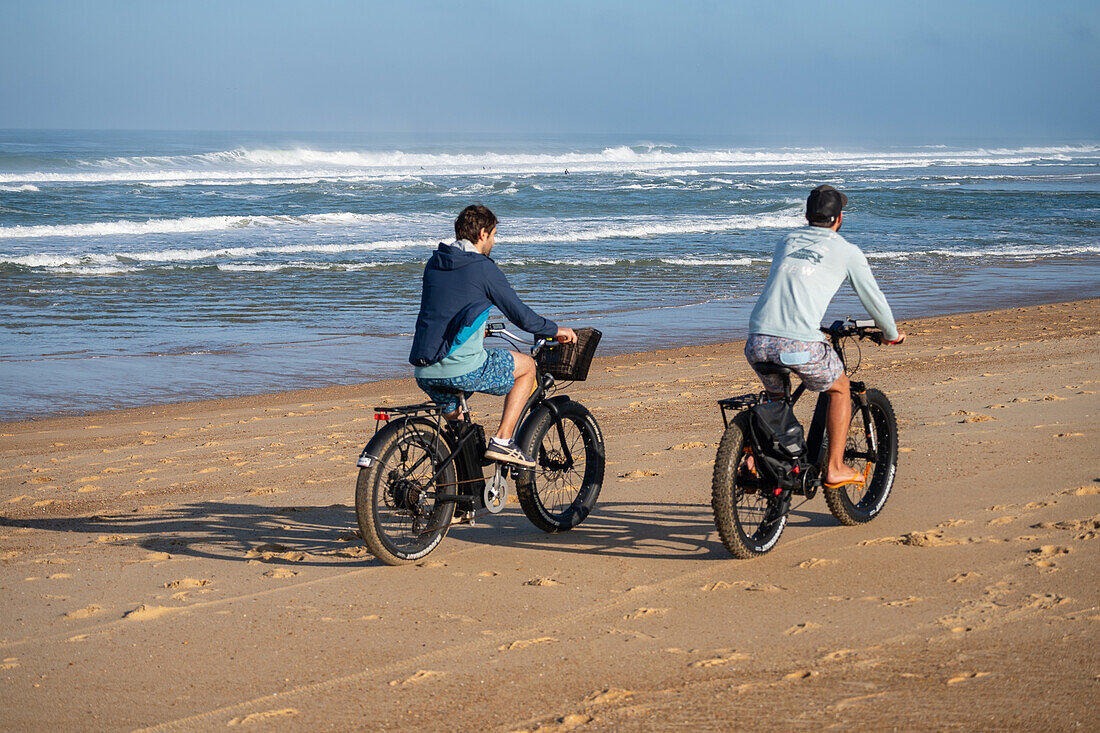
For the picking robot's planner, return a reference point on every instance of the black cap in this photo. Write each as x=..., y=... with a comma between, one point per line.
x=824, y=204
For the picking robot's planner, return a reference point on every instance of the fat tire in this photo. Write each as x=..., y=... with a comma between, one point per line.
x=881, y=479
x=374, y=481
x=536, y=443
x=726, y=495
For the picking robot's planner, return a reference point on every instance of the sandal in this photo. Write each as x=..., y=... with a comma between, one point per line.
x=859, y=481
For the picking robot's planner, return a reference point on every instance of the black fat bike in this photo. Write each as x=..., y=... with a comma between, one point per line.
x=751, y=503
x=422, y=473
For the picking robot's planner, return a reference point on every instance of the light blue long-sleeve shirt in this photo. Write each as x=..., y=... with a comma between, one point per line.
x=808, y=267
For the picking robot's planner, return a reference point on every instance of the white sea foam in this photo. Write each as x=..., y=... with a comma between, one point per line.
x=711, y=262
x=192, y=224
x=1010, y=251
x=25, y=188
x=195, y=255
x=299, y=164
x=655, y=227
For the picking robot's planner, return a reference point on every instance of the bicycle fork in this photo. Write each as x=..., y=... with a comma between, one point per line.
x=859, y=389
x=816, y=437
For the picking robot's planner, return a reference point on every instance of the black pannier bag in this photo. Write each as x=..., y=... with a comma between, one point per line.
x=468, y=461
x=779, y=443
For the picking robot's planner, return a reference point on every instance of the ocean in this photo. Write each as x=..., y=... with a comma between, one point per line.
x=143, y=268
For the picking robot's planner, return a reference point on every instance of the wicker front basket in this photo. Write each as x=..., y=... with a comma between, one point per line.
x=570, y=362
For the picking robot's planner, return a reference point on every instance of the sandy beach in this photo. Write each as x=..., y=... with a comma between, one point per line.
x=195, y=566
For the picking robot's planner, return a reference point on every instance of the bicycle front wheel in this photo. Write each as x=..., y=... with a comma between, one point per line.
x=560, y=492
x=853, y=504
x=402, y=514
x=748, y=518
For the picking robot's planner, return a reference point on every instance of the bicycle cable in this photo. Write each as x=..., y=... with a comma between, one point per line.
x=859, y=354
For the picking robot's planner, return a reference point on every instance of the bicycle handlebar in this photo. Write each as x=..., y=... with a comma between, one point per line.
x=498, y=329
x=850, y=327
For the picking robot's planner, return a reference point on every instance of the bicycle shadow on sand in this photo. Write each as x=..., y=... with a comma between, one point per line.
x=327, y=536
x=650, y=530
x=233, y=531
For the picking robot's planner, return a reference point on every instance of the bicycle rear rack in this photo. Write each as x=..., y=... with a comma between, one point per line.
x=738, y=403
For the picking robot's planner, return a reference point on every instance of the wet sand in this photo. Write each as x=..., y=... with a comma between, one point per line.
x=195, y=566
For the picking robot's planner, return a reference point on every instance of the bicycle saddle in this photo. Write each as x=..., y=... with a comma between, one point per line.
x=770, y=367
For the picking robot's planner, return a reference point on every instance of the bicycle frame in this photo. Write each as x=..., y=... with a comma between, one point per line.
x=468, y=487
x=815, y=438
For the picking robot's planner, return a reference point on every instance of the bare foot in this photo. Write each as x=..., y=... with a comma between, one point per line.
x=847, y=475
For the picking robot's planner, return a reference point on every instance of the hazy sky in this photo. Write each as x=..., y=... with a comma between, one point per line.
x=840, y=70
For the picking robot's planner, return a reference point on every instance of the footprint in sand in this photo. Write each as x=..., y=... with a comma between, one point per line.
x=85, y=612
x=264, y=490
x=634, y=634
x=1082, y=491
x=931, y=538
x=838, y=655
x=953, y=523
x=967, y=676
x=10, y=663
x=608, y=695
x=273, y=551
x=187, y=583
x=1003, y=520
x=802, y=628
x=541, y=582
x=816, y=562
x=1044, y=601
x=720, y=661
x=802, y=674
x=903, y=602
x=688, y=446
x=645, y=613
x=1071, y=524
x=422, y=676
x=524, y=643
x=638, y=473
x=964, y=577
x=1043, y=557
x=745, y=585
x=261, y=717
x=281, y=573
x=146, y=612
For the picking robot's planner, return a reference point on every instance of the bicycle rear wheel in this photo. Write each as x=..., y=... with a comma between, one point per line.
x=400, y=512
x=853, y=504
x=560, y=492
x=748, y=517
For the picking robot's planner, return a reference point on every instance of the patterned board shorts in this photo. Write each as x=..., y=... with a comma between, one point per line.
x=494, y=377
x=814, y=362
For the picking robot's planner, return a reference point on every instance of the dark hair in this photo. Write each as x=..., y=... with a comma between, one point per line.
x=472, y=220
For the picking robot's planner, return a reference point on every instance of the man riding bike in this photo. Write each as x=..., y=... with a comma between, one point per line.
x=808, y=267
x=461, y=285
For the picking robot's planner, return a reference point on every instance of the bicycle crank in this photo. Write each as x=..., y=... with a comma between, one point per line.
x=495, y=494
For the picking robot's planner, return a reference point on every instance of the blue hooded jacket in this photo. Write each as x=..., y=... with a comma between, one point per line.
x=460, y=288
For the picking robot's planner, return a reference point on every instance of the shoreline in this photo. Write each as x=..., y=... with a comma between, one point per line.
x=345, y=391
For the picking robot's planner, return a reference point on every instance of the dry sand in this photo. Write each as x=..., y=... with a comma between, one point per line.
x=195, y=566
